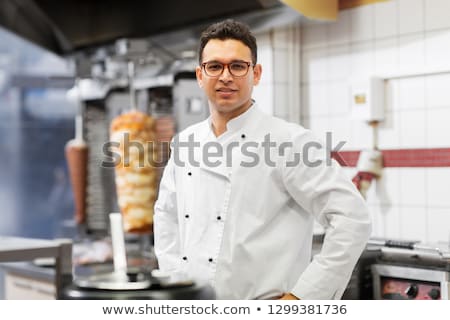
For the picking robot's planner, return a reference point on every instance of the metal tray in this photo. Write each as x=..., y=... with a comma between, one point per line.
x=114, y=281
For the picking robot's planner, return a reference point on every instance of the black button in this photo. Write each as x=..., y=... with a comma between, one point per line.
x=186, y=216
x=189, y=173
x=219, y=217
x=243, y=136
x=184, y=258
x=210, y=260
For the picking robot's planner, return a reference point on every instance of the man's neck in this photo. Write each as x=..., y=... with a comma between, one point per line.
x=220, y=119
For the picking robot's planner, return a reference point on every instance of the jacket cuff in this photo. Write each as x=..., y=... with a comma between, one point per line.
x=324, y=284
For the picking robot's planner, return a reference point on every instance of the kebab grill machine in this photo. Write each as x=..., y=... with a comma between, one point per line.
x=126, y=187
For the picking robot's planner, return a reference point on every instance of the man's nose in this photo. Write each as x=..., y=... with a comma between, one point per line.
x=226, y=75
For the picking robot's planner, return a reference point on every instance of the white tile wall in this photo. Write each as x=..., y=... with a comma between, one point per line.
x=340, y=130
x=314, y=65
x=319, y=125
x=413, y=187
x=265, y=58
x=436, y=14
x=338, y=62
x=316, y=97
x=438, y=133
x=438, y=187
x=388, y=188
x=378, y=229
x=362, y=60
x=391, y=96
x=392, y=221
x=416, y=228
x=338, y=98
x=413, y=133
x=281, y=103
x=411, y=93
x=314, y=36
x=437, y=91
x=437, y=50
x=263, y=95
x=280, y=38
x=398, y=37
x=339, y=32
x=438, y=227
x=389, y=131
x=411, y=53
x=362, y=23
x=386, y=56
x=361, y=137
x=281, y=65
x=410, y=16
x=263, y=39
x=386, y=24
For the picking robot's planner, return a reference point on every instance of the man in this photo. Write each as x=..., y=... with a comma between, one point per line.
x=240, y=193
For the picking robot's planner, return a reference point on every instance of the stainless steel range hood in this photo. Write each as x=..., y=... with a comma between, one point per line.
x=70, y=26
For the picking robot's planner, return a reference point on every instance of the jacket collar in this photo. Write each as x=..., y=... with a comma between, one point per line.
x=240, y=121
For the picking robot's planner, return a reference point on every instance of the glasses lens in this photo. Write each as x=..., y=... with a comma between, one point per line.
x=213, y=69
x=238, y=69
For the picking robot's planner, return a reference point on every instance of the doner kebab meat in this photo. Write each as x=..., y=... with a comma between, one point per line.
x=76, y=152
x=136, y=177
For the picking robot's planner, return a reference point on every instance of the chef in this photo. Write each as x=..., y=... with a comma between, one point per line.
x=242, y=189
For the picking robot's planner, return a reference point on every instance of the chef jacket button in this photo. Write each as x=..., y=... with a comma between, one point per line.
x=243, y=136
x=219, y=217
x=189, y=173
x=186, y=216
x=210, y=259
x=184, y=258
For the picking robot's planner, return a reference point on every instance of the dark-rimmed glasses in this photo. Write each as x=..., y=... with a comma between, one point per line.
x=235, y=68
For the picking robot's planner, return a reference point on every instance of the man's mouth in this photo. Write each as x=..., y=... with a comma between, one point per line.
x=226, y=90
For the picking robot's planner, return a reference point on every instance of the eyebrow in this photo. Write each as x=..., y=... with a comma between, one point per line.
x=217, y=61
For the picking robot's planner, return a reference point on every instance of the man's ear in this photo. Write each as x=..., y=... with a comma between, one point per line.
x=257, y=71
x=198, y=73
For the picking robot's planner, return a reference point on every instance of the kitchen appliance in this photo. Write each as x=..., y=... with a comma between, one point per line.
x=411, y=270
x=14, y=249
x=133, y=283
x=137, y=284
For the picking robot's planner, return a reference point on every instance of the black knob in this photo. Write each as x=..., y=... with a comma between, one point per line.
x=434, y=293
x=412, y=291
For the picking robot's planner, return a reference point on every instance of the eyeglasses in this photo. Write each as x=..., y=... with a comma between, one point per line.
x=236, y=68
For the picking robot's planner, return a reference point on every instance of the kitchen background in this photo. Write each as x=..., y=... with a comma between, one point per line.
x=309, y=71
x=314, y=66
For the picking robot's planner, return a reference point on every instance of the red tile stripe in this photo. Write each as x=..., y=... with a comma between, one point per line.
x=400, y=158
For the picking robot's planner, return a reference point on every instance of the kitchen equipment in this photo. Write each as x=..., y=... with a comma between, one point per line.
x=133, y=283
x=411, y=270
x=26, y=249
x=121, y=278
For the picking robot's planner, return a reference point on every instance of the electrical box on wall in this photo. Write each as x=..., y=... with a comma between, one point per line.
x=367, y=99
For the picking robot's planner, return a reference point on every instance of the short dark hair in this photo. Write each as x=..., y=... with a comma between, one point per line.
x=229, y=29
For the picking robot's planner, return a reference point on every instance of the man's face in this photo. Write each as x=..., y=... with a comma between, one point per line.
x=227, y=93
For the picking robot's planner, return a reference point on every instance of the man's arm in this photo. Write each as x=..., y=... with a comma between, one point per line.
x=165, y=222
x=323, y=190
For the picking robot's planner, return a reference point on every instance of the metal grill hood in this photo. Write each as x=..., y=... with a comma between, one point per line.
x=68, y=26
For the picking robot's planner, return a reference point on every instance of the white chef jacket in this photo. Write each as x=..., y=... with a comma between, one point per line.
x=247, y=230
